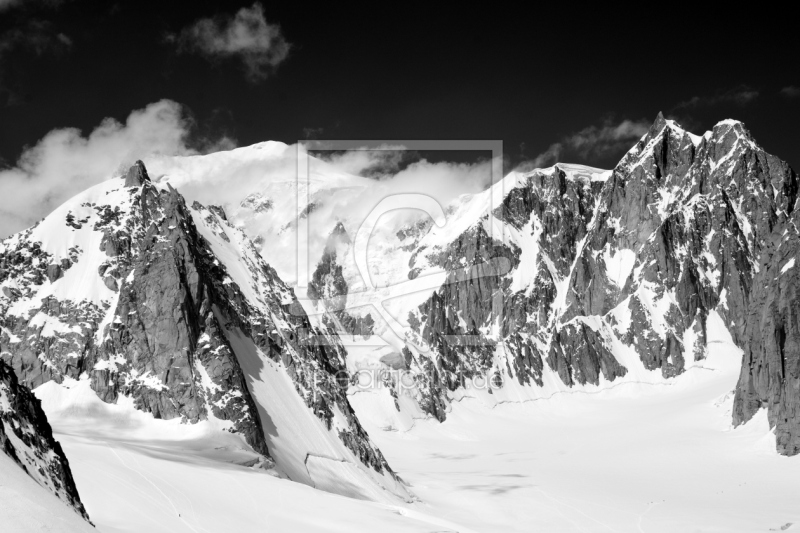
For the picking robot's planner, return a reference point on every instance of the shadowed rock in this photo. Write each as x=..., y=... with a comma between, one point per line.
x=27, y=438
x=136, y=175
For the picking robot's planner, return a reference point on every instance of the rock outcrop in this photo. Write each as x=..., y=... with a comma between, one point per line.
x=634, y=259
x=150, y=300
x=328, y=289
x=26, y=437
x=770, y=376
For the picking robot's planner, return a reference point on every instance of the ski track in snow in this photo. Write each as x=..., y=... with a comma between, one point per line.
x=574, y=510
x=155, y=486
x=641, y=516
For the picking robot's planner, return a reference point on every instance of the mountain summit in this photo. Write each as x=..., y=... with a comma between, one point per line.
x=132, y=309
x=169, y=309
x=614, y=272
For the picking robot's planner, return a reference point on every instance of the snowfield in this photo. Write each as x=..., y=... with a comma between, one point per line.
x=641, y=453
x=628, y=458
x=26, y=506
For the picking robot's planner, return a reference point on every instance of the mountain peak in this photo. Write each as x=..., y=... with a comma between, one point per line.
x=659, y=124
x=136, y=175
x=127, y=262
x=724, y=126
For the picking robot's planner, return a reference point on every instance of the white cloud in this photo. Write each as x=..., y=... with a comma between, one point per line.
x=741, y=95
x=382, y=161
x=591, y=142
x=312, y=133
x=248, y=36
x=791, y=91
x=400, y=171
x=64, y=162
x=270, y=169
x=444, y=181
x=608, y=138
x=8, y=4
x=38, y=36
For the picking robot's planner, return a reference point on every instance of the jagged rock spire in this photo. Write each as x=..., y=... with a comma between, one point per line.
x=27, y=438
x=219, y=211
x=169, y=316
x=136, y=175
x=659, y=124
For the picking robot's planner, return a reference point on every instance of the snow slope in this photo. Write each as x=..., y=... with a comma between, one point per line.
x=138, y=474
x=644, y=452
x=630, y=458
x=73, y=357
x=304, y=449
x=260, y=188
x=29, y=450
x=26, y=506
x=637, y=457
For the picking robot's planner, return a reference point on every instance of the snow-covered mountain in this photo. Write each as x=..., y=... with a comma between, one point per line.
x=165, y=308
x=259, y=187
x=614, y=276
x=169, y=333
x=573, y=277
x=35, y=476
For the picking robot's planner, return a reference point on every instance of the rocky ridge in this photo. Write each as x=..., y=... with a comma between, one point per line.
x=606, y=266
x=26, y=437
x=328, y=289
x=128, y=287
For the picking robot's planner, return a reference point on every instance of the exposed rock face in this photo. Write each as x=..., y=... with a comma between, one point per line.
x=770, y=374
x=26, y=437
x=632, y=259
x=547, y=209
x=136, y=175
x=694, y=216
x=329, y=288
x=150, y=312
x=158, y=336
x=450, y=321
x=328, y=282
x=165, y=337
x=257, y=202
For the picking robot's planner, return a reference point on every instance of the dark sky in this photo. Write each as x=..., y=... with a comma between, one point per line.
x=409, y=71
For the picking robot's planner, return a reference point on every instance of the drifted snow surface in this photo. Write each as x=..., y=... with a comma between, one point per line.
x=629, y=458
x=27, y=506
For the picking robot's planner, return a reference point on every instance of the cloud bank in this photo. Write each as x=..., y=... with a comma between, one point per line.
x=604, y=140
x=65, y=162
x=379, y=162
x=741, y=96
x=38, y=36
x=791, y=91
x=247, y=35
x=8, y=4
x=268, y=172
